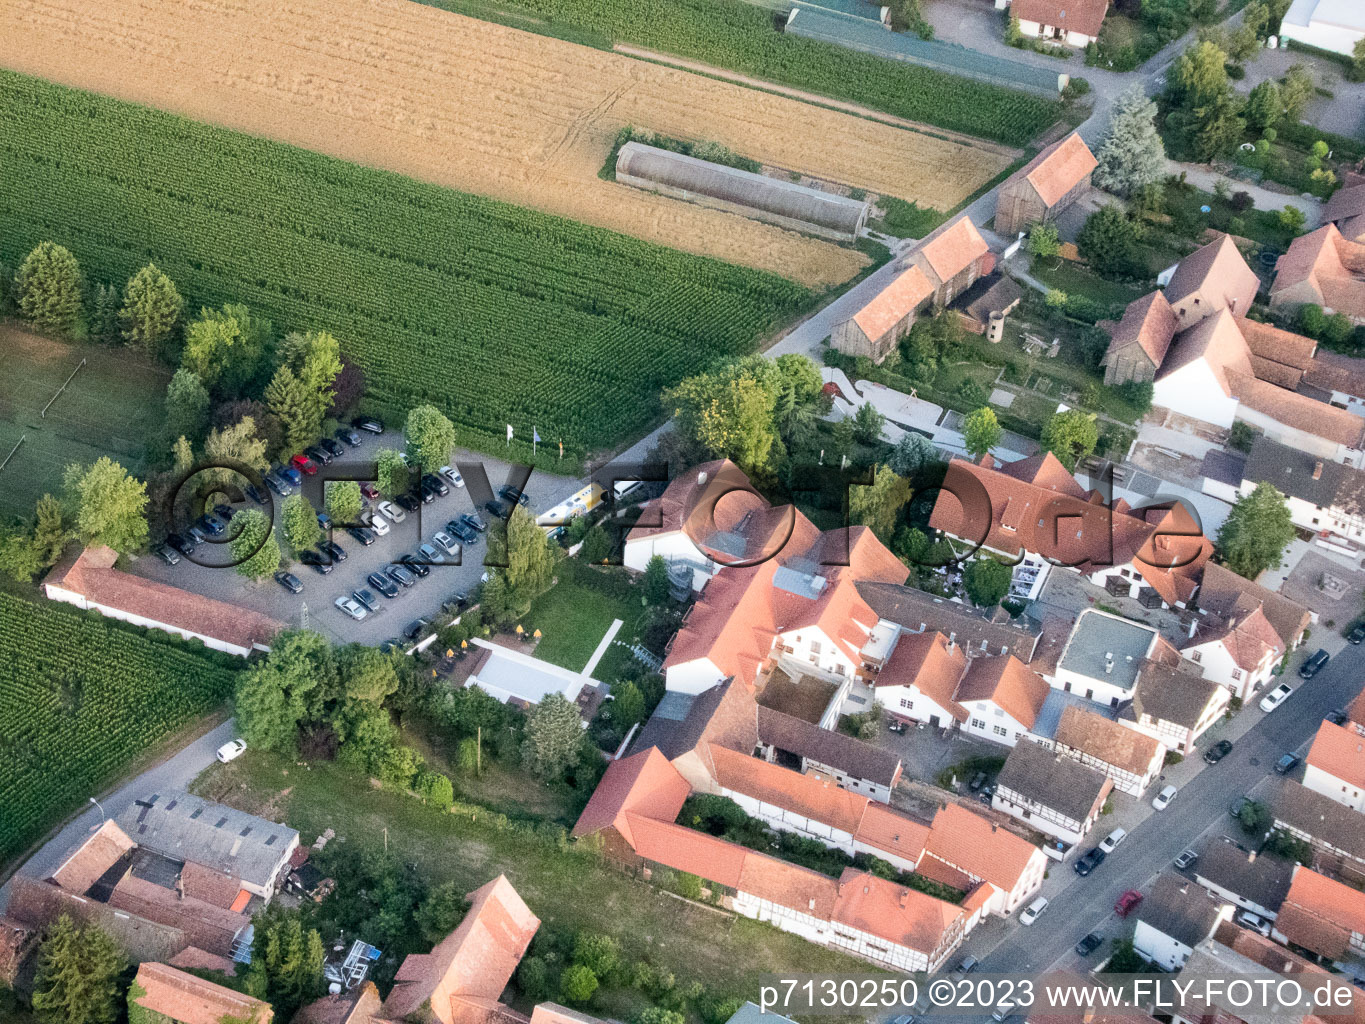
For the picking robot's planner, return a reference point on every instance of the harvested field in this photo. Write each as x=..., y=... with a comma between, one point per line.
x=482, y=108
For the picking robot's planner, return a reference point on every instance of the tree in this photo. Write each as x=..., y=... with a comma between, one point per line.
x=1132, y=154
x=986, y=581
x=287, y=398
x=531, y=558
x=1264, y=106
x=182, y=455
x=77, y=977
x=286, y=962
x=347, y=388
x=344, y=501
x=440, y=912
x=105, y=303
x=50, y=290
x=879, y=503
x=18, y=554
x=435, y=789
x=1205, y=115
x=1357, y=70
x=554, y=733
x=239, y=443
x=49, y=531
x=1292, y=219
x=658, y=1015
x=108, y=505
x=656, y=580
x=315, y=359
x=430, y=437
x=599, y=953
x=1296, y=89
x=151, y=309
x=299, y=520
x=367, y=674
x=912, y=453
x=867, y=424
x=393, y=476
x=1256, y=531
x=1109, y=243
x=187, y=405
x=1243, y=41
x=1043, y=242
x=255, y=551
x=577, y=984
x=1071, y=436
x=278, y=694
x=981, y=431
x=728, y=414
x=627, y=706
x=226, y=347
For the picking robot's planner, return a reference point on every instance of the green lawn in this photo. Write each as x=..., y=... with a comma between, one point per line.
x=576, y=613
x=1075, y=279
x=112, y=407
x=564, y=887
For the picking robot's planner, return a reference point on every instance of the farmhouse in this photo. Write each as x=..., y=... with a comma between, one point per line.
x=1335, y=765
x=1326, y=498
x=951, y=257
x=1252, y=882
x=1325, y=268
x=1335, y=25
x=1050, y=792
x=1212, y=278
x=1175, y=705
x=184, y=998
x=1322, y=916
x=1225, y=595
x=1240, y=656
x=1129, y=758
x=1073, y=22
x=982, y=852
x=1336, y=832
x=90, y=580
x=1046, y=185
x=1335, y=380
x=772, y=200
x=1346, y=209
x=1176, y=917
x=874, y=330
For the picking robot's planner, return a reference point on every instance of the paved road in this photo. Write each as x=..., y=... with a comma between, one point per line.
x=176, y=772
x=1084, y=905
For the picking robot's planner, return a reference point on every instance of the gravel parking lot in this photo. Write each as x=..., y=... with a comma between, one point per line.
x=315, y=607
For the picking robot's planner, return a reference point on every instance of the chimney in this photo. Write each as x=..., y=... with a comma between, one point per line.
x=1108, y=662
x=1317, y=470
x=701, y=477
x=905, y=898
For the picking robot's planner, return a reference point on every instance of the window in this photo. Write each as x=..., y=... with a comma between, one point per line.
x=906, y=703
x=1195, y=656
x=999, y=712
x=1000, y=730
x=1237, y=673
x=815, y=647
x=978, y=723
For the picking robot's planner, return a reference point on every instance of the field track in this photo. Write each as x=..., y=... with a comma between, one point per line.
x=481, y=108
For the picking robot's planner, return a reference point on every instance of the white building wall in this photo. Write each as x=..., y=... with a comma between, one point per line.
x=1333, y=788
x=911, y=702
x=991, y=722
x=1299, y=24
x=1101, y=691
x=1216, y=664
x=1300, y=439
x=1034, y=30
x=1159, y=947
x=1038, y=817
x=672, y=547
x=809, y=649
x=790, y=821
x=1193, y=391
x=695, y=676
x=57, y=593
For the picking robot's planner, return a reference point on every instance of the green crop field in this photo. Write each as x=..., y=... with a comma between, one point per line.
x=495, y=314
x=79, y=700
x=741, y=36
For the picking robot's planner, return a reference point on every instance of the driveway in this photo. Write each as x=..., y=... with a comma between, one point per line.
x=1342, y=113
x=314, y=607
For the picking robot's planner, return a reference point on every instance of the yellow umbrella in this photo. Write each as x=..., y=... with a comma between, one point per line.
x=449, y=653
x=519, y=629
x=536, y=634
x=433, y=672
x=464, y=644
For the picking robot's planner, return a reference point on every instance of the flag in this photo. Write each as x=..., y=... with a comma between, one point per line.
x=535, y=436
x=509, y=431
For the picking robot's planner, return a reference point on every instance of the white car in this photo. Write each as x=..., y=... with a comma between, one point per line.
x=1163, y=799
x=452, y=475
x=1033, y=910
x=231, y=751
x=391, y=512
x=351, y=607
x=1255, y=922
x=446, y=542
x=1276, y=697
x=379, y=525
x=1110, y=842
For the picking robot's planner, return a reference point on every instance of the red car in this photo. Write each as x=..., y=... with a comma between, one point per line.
x=1127, y=902
x=304, y=463
x=370, y=491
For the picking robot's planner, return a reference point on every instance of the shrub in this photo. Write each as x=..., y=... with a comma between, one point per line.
x=577, y=984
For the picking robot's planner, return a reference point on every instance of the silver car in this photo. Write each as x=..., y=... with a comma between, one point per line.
x=351, y=607
x=447, y=543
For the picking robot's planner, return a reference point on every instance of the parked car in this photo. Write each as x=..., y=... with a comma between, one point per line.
x=1186, y=858
x=978, y=780
x=324, y=520
x=351, y=608
x=291, y=474
x=414, y=566
x=368, y=598
x=377, y=525
x=211, y=525
x=407, y=502
x=1110, y=843
x=414, y=629
x=435, y=483
x=1033, y=911
x=317, y=561
x=452, y=475
x=1356, y=635
x=289, y=581
x=1088, y=944
x=383, y=584
x=369, y=490
x=1235, y=808
x=447, y=543
x=391, y=512
x=1314, y=665
x=513, y=494
x=1003, y=1011
x=400, y=574
x=333, y=448
x=254, y=493
x=318, y=454
x=496, y=509
x=224, y=512
x=1286, y=764
x=351, y=437
x=425, y=493
x=429, y=554
x=968, y=964
x=1255, y=922
x=231, y=750
x=1163, y=799
x=278, y=484
x=196, y=534
x=475, y=520
x=466, y=533
x=368, y=424
x=1089, y=861
x=1218, y=751
x=304, y=464
x=335, y=550
x=1276, y=697
x=366, y=537
x=1124, y=905
x=167, y=554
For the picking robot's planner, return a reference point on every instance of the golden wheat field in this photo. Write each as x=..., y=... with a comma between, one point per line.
x=481, y=108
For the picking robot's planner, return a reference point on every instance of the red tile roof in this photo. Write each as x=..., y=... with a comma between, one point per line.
x=553, y=1013
x=686, y=849
x=950, y=249
x=1044, y=470
x=645, y=783
x=1332, y=265
x=1320, y=914
x=1339, y=750
x=893, y=832
x=893, y=912
x=1007, y=681
x=190, y=1000
x=92, y=858
x=193, y=956
x=1219, y=274
x=1248, y=641
x=925, y=661
x=782, y=787
x=1063, y=165
x=1124, y=748
x=1355, y=711
x=979, y=847
x=475, y=961
x=93, y=576
x=1215, y=340
x=1083, y=16
x=788, y=885
x=1149, y=323
x=1298, y=411
x=893, y=303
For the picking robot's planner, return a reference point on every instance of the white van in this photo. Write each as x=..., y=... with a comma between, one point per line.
x=1033, y=911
